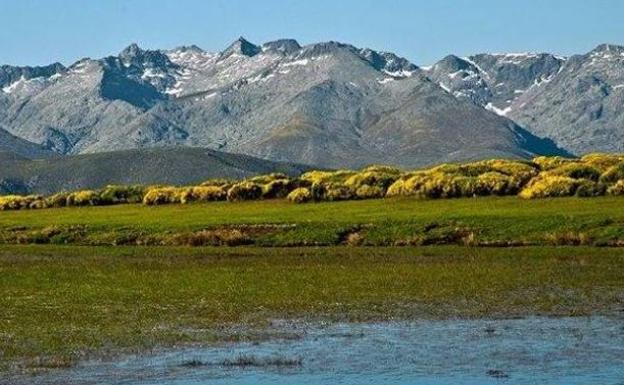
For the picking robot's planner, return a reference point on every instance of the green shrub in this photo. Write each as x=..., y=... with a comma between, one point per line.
x=57, y=200
x=279, y=188
x=399, y=187
x=550, y=186
x=163, y=195
x=114, y=194
x=396, y=189
x=588, y=188
x=83, y=198
x=613, y=174
x=268, y=178
x=37, y=204
x=575, y=171
x=219, y=182
x=244, y=191
x=380, y=179
x=18, y=202
x=444, y=168
x=300, y=195
x=369, y=192
x=318, y=177
x=602, y=162
x=546, y=163
x=495, y=183
x=617, y=188
x=338, y=192
x=520, y=172
x=202, y=194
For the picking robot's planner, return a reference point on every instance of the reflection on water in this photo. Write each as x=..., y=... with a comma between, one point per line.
x=522, y=351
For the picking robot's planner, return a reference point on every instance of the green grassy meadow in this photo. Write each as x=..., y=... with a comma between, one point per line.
x=61, y=304
x=82, y=282
x=484, y=221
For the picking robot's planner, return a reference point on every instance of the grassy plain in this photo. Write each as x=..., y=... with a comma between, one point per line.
x=61, y=304
x=398, y=221
x=73, y=295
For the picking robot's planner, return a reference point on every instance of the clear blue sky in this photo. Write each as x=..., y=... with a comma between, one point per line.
x=44, y=31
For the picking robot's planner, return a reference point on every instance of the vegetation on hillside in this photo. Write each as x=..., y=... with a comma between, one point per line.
x=543, y=177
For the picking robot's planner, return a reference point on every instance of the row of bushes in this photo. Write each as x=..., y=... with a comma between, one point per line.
x=591, y=175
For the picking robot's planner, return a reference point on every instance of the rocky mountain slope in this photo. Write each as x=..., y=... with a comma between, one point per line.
x=495, y=81
x=20, y=148
x=582, y=108
x=326, y=104
x=578, y=101
x=142, y=166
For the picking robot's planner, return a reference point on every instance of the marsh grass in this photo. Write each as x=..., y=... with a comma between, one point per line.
x=61, y=304
x=244, y=361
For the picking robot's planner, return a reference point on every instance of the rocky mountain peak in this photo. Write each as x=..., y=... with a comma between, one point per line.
x=284, y=46
x=614, y=48
x=388, y=62
x=241, y=46
x=453, y=63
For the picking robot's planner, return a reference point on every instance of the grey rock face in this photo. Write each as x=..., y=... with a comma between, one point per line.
x=577, y=102
x=13, y=147
x=327, y=104
x=581, y=108
x=495, y=81
x=284, y=46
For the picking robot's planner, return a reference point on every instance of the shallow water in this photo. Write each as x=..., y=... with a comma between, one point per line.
x=521, y=351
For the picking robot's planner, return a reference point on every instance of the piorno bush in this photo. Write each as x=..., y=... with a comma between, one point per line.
x=338, y=192
x=203, y=194
x=83, y=198
x=56, y=200
x=496, y=183
x=432, y=185
x=321, y=177
x=602, y=162
x=300, y=195
x=116, y=194
x=381, y=179
x=369, y=192
x=550, y=187
x=279, y=188
x=616, y=189
x=588, y=189
x=576, y=171
x=244, y=191
x=18, y=202
x=546, y=163
x=163, y=195
x=219, y=182
x=613, y=174
x=268, y=178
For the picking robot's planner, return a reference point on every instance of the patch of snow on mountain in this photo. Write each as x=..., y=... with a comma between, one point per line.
x=501, y=112
x=481, y=70
x=515, y=58
x=301, y=62
x=24, y=86
x=399, y=74
x=150, y=73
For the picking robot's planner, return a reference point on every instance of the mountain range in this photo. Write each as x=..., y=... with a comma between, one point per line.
x=327, y=104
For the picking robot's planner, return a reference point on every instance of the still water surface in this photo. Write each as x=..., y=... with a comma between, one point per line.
x=562, y=351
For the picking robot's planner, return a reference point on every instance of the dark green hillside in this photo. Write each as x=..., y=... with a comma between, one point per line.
x=145, y=166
